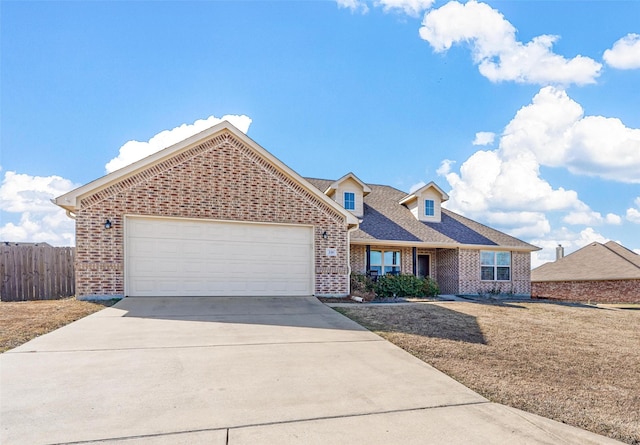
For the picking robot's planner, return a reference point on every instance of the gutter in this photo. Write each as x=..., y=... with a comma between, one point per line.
x=427, y=245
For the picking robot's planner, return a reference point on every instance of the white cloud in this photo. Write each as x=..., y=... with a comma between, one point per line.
x=633, y=214
x=554, y=129
x=353, y=5
x=445, y=167
x=625, y=53
x=26, y=193
x=570, y=240
x=411, y=8
x=521, y=224
x=499, y=56
x=40, y=220
x=484, y=138
x=591, y=218
x=504, y=188
x=493, y=180
x=134, y=150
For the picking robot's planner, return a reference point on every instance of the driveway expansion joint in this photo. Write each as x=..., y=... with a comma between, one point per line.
x=263, y=424
x=363, y=414
x=226, y=345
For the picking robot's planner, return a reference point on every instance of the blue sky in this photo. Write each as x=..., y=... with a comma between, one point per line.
x=525, y=112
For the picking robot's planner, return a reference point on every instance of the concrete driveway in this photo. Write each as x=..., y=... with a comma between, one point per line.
x=242, y=371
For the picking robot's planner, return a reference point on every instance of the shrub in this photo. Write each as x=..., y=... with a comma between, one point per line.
x=430, y=287
x=405, y=286
x=362, y=286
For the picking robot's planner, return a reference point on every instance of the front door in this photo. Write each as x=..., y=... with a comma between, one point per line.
x=423, y=266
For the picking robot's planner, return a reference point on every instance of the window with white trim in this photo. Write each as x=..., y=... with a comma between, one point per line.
x=495, y=266
x=385, y=261
x=429, y=207
x=349, y=200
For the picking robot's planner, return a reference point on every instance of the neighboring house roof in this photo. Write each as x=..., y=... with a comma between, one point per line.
x=20, y=244
x=71, y=200
x=386, y=221
x=609, y=261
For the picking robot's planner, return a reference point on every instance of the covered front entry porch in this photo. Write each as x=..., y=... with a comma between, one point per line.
x=436, y=263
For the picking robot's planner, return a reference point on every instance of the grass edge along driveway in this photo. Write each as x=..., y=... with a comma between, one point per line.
x=21, y=321
x=576, y=364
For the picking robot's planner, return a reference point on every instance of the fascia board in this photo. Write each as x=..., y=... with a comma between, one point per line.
x=71, y=200
x=427, y=245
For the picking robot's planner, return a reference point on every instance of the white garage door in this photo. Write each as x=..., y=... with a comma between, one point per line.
x=177, y=257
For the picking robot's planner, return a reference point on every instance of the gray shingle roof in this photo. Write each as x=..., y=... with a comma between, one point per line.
x=385, y=219
x=596, y=261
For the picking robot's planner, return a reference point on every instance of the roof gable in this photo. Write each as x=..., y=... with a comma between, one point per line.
x=595, y=261
x=71, y=201
x=416, y=194
x=349, y=176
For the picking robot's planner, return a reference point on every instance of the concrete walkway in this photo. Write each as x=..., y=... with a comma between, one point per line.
x=242, y=371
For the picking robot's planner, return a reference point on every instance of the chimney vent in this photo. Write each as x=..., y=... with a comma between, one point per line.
x=559, y=252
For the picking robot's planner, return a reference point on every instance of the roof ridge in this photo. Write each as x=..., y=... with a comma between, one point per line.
x=621, y=256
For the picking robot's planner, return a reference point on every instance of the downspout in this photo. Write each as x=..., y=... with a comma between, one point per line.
x=352, y=229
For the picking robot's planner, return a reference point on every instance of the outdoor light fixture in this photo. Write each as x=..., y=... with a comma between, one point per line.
x=107, y=225
x=325, y=235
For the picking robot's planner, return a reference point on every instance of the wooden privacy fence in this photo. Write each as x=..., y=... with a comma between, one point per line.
x=36, y=271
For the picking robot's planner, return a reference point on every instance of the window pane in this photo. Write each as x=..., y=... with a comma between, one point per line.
x=349, y=201
x=378, y=269
x=504, y=273
x=376, y=258
x=429, y=208
x=392, y=258
x=487, y=258
x=503, y=258
x=487, y=273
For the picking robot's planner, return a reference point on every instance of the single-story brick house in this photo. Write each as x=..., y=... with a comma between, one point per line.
x=216, y=214
x=597, y=273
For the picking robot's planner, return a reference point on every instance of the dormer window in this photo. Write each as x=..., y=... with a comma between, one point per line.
x=426, y=203
x=349, y=191
x=349, y=200
x=429, y=207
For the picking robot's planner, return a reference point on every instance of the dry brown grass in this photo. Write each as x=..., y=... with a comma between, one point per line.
x=576, y=364
x=21, y=321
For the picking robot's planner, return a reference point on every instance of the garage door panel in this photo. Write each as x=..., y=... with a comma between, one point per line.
x=167, y=257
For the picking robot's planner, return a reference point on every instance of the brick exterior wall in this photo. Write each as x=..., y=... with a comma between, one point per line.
x=457, y=271
x=521, y=272
x=448, y=271
x=606, y=291
x=470, y=282
x=220, y=179
x=357, y=258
